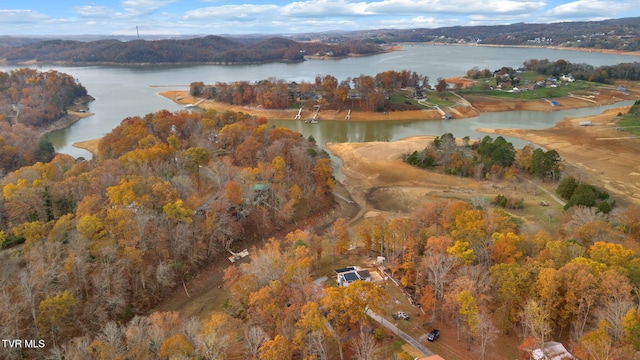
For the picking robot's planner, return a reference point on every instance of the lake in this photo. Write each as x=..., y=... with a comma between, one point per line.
x=123, y=91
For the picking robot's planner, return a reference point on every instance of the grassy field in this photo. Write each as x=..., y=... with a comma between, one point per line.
x=630, y=123
x=433, y=98
x=482, y=87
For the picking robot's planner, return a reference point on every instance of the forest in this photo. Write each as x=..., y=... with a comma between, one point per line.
x=30, y=100
x=208, y=49
x=102, y=241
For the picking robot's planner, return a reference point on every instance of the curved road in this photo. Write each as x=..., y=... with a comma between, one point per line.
x=403, y=335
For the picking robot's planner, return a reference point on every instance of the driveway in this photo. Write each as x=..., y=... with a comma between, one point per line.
x=404, y=336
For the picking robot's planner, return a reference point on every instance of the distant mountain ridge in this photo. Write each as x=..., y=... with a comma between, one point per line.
x=208, y=49
x=615, y=34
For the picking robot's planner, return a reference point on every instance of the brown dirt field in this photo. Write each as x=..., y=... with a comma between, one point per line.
x=600, y=154
x=89, y=145
x=382, y=183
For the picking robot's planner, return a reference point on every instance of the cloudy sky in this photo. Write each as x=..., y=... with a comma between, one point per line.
x=197, y=17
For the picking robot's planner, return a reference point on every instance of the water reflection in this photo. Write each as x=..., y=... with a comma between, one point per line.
x=360, y=131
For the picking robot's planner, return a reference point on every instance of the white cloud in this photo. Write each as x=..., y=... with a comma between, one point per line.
x=315, y=8
x=592, y=9
x=143, y=7
x=231, y=12
x=90, y=11
x=21, y=16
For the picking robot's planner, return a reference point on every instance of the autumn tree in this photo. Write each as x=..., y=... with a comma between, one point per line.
x=468, y=308
x=631, y=328
x=512, y=282
x=174, y=346
x=218, y=336
x=536, y=320
x=55, y=314
x=341, y=234
x=597, y=344
x=346, y=307
x=275, y=349
x=486, y=333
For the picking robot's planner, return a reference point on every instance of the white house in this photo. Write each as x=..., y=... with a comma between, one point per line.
x=567, y=78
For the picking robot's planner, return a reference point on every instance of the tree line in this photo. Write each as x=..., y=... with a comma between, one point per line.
x=602, y=74
x=168, y=193
x=489, y=157
x=208, y=49
x=365, y=92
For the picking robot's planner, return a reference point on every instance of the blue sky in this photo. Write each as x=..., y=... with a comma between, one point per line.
x=191, y=17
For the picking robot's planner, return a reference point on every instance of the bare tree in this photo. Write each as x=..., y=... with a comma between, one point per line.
x=112, y=336
x=365, y=347
x=28, y=287
x=254, y=336
x=317, y=345
x=550, y=213
x=486, y=333
x=537, y=321
x=439, y=267
x=165, y=275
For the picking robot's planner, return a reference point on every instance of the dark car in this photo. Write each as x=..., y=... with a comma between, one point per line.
x=433, y=335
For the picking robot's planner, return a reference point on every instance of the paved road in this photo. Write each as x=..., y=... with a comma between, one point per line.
x=413, y=342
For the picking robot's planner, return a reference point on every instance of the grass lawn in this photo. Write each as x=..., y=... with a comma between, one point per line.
x=630, y=123
x=433, y=98
x=563, y=89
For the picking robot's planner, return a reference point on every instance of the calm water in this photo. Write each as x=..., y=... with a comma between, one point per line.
x=123, y=91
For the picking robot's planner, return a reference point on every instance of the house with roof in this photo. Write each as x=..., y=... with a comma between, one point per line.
x=567, y=78
x=350, y=274
x=552, y=350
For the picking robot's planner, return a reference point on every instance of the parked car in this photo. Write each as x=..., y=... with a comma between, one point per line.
x=402, y=315
x=433, y=335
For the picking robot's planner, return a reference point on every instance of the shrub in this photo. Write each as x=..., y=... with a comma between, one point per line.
x=508, y=202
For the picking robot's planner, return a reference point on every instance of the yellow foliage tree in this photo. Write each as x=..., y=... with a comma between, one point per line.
x=176, y=346
x=54, y=313
x=218, y=334
x=463, y=251
x=276, y=349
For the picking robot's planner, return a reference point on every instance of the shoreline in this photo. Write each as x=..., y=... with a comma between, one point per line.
x=598, y=153
x=553, y=47
x=473, y=107
x=386, y=48
x=64, y=122
x=89, y=145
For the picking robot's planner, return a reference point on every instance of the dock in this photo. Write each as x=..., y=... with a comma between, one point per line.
x=195, y=104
